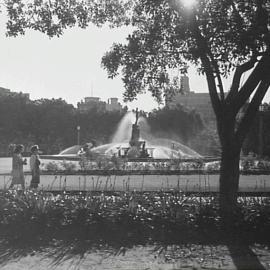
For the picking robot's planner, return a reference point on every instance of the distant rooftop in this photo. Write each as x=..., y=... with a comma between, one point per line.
x=95, y=103
x=7, y=92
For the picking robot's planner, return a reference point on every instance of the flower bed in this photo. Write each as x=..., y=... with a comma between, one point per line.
x=170, y=167
x=125, y=218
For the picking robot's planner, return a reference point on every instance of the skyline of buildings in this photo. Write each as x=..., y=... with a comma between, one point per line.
x=198, y=101
x=90, y=103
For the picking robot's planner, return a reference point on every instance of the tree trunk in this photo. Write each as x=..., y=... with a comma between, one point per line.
x=229, y=180
x=229, y=168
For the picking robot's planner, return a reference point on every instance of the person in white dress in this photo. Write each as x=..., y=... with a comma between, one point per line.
x=17, y=167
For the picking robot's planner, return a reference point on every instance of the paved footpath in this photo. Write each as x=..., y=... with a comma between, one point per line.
x=189, y=257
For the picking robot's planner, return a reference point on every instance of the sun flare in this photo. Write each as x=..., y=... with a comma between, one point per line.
x=188, y=3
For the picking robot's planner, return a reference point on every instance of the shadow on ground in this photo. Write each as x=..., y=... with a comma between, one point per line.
x=244, y=257
x=197, y=250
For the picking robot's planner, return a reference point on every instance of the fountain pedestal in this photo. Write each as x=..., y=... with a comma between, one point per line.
x=135, y=136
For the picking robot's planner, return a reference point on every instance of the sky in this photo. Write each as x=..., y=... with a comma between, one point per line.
x=69, y=67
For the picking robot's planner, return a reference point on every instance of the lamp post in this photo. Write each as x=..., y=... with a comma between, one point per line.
x=78, y=135
x=261, y=112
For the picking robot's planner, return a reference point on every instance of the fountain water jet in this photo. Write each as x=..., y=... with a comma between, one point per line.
x=124, y=128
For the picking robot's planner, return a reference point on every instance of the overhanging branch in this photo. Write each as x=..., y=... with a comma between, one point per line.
x=240, y=70
x=252, y=110
x=260, y=73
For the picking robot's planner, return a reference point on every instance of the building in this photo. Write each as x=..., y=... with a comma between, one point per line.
x=4, y=91
x=7, y=92
x=199, y=102
x=91, y=103
x=113, y=105
x=184, y=84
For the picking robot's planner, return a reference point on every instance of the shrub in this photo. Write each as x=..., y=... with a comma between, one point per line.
x=52, y=166
x=68, y=166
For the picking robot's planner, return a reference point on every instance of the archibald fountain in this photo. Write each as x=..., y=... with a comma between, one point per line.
x=141, y=144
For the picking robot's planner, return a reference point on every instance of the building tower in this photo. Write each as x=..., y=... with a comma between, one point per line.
x=184, y=84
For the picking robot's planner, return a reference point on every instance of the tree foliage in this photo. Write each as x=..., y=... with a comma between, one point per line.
x=51, y=123
x=176, y=122
x=180, y=124
x=167, y=35
x=52, y=17
x=216, y=36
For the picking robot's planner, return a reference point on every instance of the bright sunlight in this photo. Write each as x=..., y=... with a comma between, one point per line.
x=188, y=3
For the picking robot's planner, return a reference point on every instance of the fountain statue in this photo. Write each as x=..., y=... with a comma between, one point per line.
x=137, y=148
x=135, y=134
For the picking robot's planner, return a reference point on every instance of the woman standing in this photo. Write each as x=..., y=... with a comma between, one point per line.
x=17, y=167
x=34, y=166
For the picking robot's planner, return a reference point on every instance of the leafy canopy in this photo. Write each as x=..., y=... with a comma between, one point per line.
x=167, y=34
x=53, y=16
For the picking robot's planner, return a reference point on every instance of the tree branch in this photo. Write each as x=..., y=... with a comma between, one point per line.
x=211, y=84
x=240, y=70
x=202, y=44
x=252, y=110
x=220, y=84
x=260, y=72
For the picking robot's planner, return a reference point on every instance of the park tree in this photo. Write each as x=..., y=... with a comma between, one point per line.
x=52, y=124
x=177, y=121
x=98, y=125
x=219, y=37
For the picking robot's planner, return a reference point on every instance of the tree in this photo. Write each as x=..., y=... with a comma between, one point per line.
x=53, y=124
x=98, y=125
x=13, y=111
x=177, y=122
x=40, y=122
x=218, y=36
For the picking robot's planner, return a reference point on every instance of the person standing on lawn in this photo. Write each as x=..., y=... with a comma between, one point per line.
x=34, y=166
x=17, y=167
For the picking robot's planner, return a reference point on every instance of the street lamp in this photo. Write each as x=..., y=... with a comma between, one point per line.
x=78, y=135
